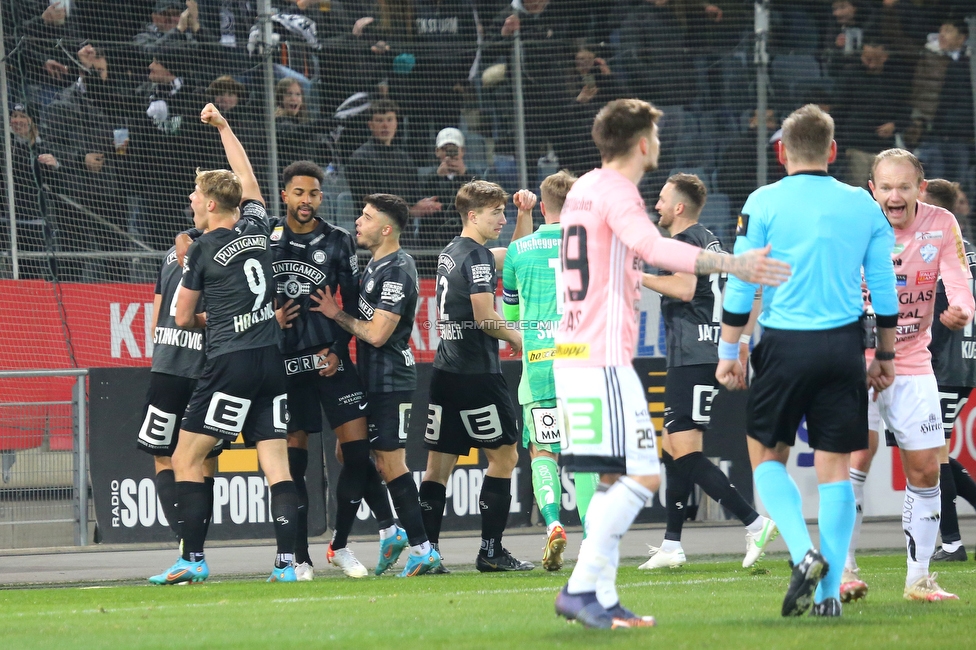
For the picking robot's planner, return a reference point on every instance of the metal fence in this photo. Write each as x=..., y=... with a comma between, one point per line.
x=44, y=487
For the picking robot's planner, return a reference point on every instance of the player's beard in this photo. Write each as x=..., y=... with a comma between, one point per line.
x=296, y=215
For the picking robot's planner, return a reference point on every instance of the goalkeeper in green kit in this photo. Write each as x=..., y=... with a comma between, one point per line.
x=532, y=294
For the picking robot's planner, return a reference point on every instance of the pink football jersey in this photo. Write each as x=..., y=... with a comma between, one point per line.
x=928, y=249
x=606, y=235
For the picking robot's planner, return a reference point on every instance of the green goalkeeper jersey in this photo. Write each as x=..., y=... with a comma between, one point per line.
x=532, y=294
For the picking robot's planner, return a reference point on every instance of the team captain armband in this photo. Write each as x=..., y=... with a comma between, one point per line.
x=734, y=320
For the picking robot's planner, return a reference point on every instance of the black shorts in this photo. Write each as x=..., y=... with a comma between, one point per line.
x=241, y=392
x=468, y=411
x=389, y=419
x=952, y=399
x=341, y=396
x=166, y=401
x=688, y=394
x=817, y=374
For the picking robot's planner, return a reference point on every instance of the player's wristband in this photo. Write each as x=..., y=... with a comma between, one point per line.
x=728, y=351
x=745, y=338
x=884, y=356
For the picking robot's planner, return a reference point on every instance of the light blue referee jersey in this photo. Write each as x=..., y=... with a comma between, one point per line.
x=827, y=231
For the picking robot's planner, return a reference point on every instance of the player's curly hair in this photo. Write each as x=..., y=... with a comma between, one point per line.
x=302, y=168
x=222, y=186
x=477, y=195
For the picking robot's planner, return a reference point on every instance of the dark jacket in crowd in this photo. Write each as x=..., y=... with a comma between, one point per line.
x=376, y=168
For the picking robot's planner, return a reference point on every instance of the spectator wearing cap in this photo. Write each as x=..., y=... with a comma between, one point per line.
x=173, y=33
x=440, y=226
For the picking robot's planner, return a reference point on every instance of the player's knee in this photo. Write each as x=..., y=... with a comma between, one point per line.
x=502, y=461
x=355, y=454
x=535, y=452
x=390, y=464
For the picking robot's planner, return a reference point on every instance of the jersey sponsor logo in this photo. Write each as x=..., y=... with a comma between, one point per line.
x=572, y=350
x=912, y=297
x=405, y=410
x=896, y=262
x=192, y=340
x=742, y=226
x=931, y=234
x=296, y=244
x=446, y=261
x=481, y=273
x=910, y=328
x=545, y=354
x=276, y=233
x=928, y=253
x=244, y=322
x=931, y=425
x=901, y=280
x=279, y=412
x=294, y=267
x=927, y=276
x=546, y=426
x=238, y=246
x=482, y=423
x=226, y=412
x=158, y=428
x=319, y=257
x=392, y=292
x=365, y=308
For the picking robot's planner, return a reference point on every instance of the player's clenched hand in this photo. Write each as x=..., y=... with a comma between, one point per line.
x=287, y=313
x=757, y=267
x=325, y=303
x=881, y=374
x=183, y=242
x=955, y=318
x=210, y=115
x=327, y=362
x=731, y=374
x=515, y=345
x=525, y=200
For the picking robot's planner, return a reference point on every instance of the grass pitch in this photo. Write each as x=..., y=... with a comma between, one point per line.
x=705, y=604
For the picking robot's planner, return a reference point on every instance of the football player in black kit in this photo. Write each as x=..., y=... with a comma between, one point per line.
x=387, y=305
x=470, y=404
x=310, y=254
x=177, y=362
x=242, y=388
x=692, y=310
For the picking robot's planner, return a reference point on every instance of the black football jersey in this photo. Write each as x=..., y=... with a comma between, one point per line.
x=464, y=268
x=232, y=267
x=954, y=351
x=176, y=350
x=692, y=328
x=389, y=283
x=305, y=263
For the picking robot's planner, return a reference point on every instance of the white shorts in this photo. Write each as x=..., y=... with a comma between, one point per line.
x=608, y=428
x=911, y=410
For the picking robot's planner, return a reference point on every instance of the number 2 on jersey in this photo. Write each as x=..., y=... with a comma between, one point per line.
x=442, y=297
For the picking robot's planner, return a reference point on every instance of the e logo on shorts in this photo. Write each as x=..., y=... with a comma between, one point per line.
x=584, y=418
x=227, y=412
x=701, y=403
x=433, y=422
x=482, y=423
x=405, y=411
x=158, y=428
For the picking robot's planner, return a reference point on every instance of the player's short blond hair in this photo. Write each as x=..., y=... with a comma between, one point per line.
x=807, y=134
x=899, y=155
x=476, y=195
x=222, y=186
x=555, y=188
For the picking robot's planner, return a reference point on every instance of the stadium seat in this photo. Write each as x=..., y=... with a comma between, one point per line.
x=793, y=75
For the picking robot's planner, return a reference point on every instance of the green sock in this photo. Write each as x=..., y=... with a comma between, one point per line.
x=548, y=491
x=586, y=483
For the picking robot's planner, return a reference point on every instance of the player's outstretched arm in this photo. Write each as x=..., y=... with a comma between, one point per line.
x=680, y=285
x=754, y=266
x=236, y=156
x=525, y=201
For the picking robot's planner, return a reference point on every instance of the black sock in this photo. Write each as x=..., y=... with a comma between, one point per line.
x=284, y=512
x=407, y=502
x=377, y=498
x=298, y=464
x=716, y=485
x=166, y=492
x=668, y=461
x=192, y=502
x=949, y=524
x=679, y=485
x=209, y=482
x=965, y=486
x=350, y=489
x=495, y=499
x=432, y=497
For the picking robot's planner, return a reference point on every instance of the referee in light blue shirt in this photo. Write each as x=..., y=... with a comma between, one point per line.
x=810, y=361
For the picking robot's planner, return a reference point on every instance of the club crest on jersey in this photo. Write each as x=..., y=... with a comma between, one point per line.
x=928, y=252
x=276, y=233
x=370, y=285
x=292, y=288
x=318, y=257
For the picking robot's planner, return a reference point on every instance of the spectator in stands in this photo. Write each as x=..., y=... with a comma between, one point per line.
x=379, y=166
x=844, y=36
x=231, y=97
x=943, y=99
x=438, y=227
x=653, y=40
x=737, y=162
x=291, y=123
x=872, y=107
x=963, y=211
x=902, y=25
x=173, y=24
x=591, y=85
x=715, y=29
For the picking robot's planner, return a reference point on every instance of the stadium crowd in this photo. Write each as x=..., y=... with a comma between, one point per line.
x=416, y=97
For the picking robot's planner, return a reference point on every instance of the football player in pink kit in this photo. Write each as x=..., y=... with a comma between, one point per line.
x=928, y=244
x=607, y=237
